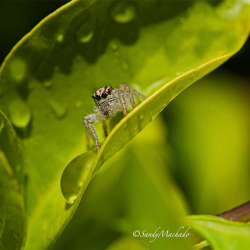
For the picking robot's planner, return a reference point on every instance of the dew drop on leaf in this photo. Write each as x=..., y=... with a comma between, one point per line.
x=125, y=125
x=78, y=173
x=190, y=10
x=125, y=66
x=18, y=69
x=20, y=114
x=114, y=46
x=47, y=84
x=60, y=38
x=58, y=109
x=86, y=38
x=78, y=104
x=178, y=73
x=123, y=12
x=183, y=20
x=85, y=32
x=192, y=77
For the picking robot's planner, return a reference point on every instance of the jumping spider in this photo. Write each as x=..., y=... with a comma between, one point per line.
x=109, y=101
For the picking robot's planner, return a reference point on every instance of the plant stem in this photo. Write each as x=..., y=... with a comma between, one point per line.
x=240, y=213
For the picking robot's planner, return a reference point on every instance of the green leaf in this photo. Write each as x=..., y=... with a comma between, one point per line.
x=11, y=148
x=135, y=193
x=88, y=44
x=12, y=215
x=221, y=234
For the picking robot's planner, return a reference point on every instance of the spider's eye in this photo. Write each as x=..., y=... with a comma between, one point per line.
x=108, y=92
x=93, y=96
x=104, y=95
x=98, y=97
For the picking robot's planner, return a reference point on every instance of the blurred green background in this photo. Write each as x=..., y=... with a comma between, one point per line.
x=202, y=137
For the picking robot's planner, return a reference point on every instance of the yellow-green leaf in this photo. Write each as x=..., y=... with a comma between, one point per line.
x=159, y=47
x=12, y=215
x=221, y=234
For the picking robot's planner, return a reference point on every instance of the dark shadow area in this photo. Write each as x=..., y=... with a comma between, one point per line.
x=17, y=18
x=109, y=20
x=239, y=63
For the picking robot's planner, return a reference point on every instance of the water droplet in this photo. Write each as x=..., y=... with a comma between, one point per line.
x=78, y=104
x=123, y=12
x=125, y=66
x=178, y=73
x=58, y=109
x=47, y=84
x=77, y=174
x=18, y=69
x=125, y=125
x=190, y=10
x=230, y=3
x=2, y=123
x=59, y=38
x=20, y=114
x=114, y=46
x=183, y=20
x=85, y=33
x=86, y=38
x=141, y=116
x=72, y=199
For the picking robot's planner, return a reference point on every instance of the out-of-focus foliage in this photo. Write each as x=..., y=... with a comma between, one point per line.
x=158, y=47
x=209, y=127
x=208, y=131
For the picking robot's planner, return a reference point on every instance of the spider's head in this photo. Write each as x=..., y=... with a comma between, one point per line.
x=102, y=93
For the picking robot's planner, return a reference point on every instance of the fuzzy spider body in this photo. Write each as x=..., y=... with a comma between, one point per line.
x=109, y=101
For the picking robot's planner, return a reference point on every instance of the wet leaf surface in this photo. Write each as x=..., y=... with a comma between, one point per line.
x=12, y=215
x=158, y=47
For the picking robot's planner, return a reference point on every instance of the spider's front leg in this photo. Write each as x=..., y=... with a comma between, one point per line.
x=88, y=121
